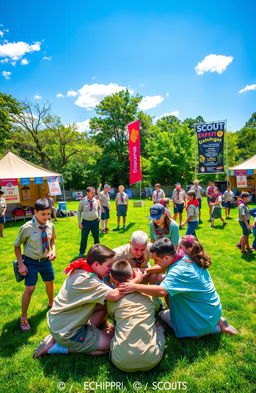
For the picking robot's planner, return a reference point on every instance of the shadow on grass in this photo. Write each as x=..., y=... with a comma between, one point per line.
x=75, y=367
x=248, y=258
x=129, y=226
x=12, y=338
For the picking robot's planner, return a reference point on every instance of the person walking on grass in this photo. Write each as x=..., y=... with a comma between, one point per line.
x=192, y=213
x=216, y=207
x=179, y=200
x=228, y=199
x=210, y=196
x=122, y=201
x=38, y=238
x=104, y=199
x=199, y=196
x=244, y=221
x=88, y=215
x=3, y=208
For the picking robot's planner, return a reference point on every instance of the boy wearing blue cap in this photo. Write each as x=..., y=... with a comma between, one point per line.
x=162, y=225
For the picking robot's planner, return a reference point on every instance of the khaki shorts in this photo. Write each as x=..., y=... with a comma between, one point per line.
x=85, y=340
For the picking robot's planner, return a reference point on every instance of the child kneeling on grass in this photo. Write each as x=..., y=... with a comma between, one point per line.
x=138, y=343
x=77, y=303
x=195, y=308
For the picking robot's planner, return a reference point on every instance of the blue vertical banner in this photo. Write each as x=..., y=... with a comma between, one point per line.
x=210, y=137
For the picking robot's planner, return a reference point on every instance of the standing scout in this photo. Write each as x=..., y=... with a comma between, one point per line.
x=244, y=221
x=158, y=193
x=3, y=208
x=210, y=196
x=192, y=213
x=105, y=206
x=216, y=207
x=89, y=212
x=199, y=195
x=228, y=199
x=178, y=199
x=122, y=200
x=38, y=238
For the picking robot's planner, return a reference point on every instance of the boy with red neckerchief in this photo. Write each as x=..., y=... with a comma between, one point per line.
x=216, y=207
x=192, y=213
x=210, y=196
x=80, y=300
x=244, y=221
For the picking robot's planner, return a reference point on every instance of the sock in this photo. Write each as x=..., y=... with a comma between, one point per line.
x=216, y=329
x=57, y=348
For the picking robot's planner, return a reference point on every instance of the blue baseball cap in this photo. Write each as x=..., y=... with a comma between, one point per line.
x=156, y=211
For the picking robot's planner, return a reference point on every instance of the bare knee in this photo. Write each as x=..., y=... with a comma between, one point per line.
x=29, y=290
x=104, y=342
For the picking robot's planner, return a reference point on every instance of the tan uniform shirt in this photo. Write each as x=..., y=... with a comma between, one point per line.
x=124, y=252
x=3, y=205
x=88, y=212
x=104, y=198
x=30, y=235
x=75, y=302
x=136, y=345
x=198, y=190
x=158, y=194
x=119, y=200
x=178, y=197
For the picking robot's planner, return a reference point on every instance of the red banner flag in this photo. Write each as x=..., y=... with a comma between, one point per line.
x=134, y=151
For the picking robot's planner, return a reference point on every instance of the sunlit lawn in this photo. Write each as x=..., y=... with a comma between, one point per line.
x=213, y=364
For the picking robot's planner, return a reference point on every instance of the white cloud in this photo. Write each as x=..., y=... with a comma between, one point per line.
x=213, y=63
x=47, y=58
x=1, y=33
x=90, y=95
x=3, y=61
x=174, y=113
x=37, y=97
x=16, y=50
x=59, y=95
x=83, y=126
x=24, y=62
x=6, y=74
x=167, y=94
x=248, y=88
x=149, y=102
x=72, y=93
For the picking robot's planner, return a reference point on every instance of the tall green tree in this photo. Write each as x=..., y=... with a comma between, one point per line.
x=246, y=138
x=9, y=107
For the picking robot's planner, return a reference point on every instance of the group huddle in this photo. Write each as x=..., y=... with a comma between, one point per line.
x=121, y=285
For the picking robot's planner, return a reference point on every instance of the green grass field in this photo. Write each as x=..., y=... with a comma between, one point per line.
x=213, y=364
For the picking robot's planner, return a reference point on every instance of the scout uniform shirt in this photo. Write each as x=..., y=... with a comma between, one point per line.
x=88, y=209
x=3, y=205
x=178, y=196
x=124, y=252
x=136, y=344
x=120, y=201
x=243, y=210
x=158, y=194
x=75, y=303
x=30, y=236
x=104, y=198
x=193, y=211
x=198, y=190
x=228, y=196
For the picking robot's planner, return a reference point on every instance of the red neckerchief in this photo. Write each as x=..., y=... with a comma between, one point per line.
x=210, y=191
x=216, y=196
x=194, y=202
x=122, y=198
x=180, y=254
x=80, y=263
x=241, y=202
x=159, y=232
x=178, y=191
x=157, y=194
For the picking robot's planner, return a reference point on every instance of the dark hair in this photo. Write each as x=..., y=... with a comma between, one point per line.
x=99, y=253
x=1, y=192
x=245, y=194
x=121, y=270
x=192, y=193
x=163, y=247
x=157, y=185
x=42, y=204
x=167, y=223
x=198, y=255
x=89, y=189
x=216, y=189
x=166, y=201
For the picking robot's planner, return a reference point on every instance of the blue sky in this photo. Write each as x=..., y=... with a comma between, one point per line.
x=188, y=58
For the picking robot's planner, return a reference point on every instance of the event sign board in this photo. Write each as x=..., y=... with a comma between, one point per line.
x=11, y=190
x=241, y=179
x=210, y=138
x=24, y=181
x=38, y=180
x=134, y=151
x=54, y=185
